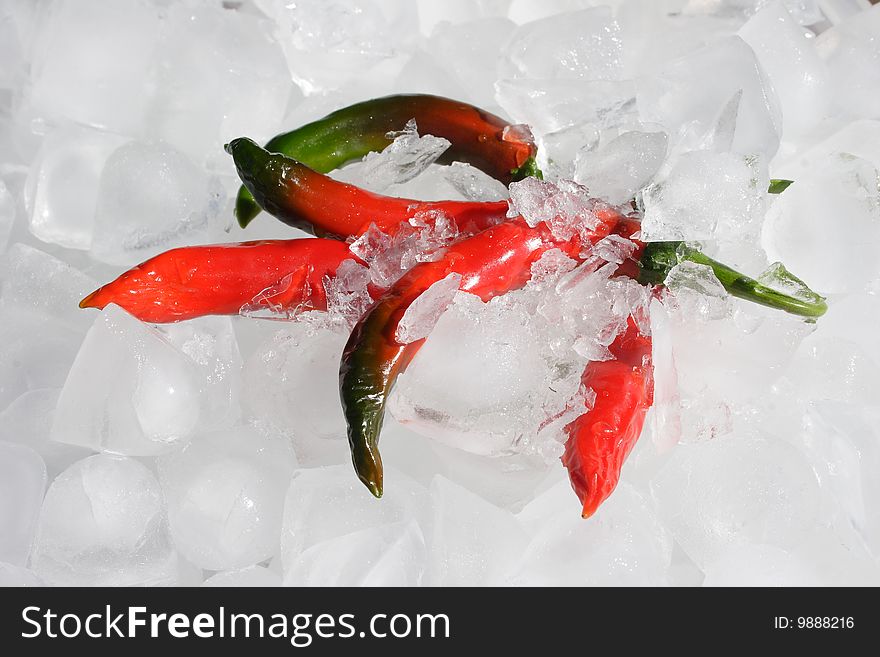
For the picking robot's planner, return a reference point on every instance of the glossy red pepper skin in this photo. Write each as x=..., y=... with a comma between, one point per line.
x=476, y=137
x=600, y=440
x=490, y=263
x=318, y=204
x=218, y=280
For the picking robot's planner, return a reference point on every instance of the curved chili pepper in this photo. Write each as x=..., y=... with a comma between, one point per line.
x=600, y=440
x=476, y=137
x=318, y=204
x=218, y=280
x=490, y=263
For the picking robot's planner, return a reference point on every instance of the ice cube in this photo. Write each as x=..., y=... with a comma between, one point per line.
x=624, y=544
x=129, y=391
x=329, y=503
x=788, y=55
x=28, y=421
x=724, y=493
x=574, y=45
x=211, y=344
x=616, y=170
x=852, y=53
x=103, y=524
x=22, y=482
x=92, y=60
x=37, y=352
x=552, y=105
x=45, y=285
x=760, y=565
x=687, y=96
x=473, y=184
x=387, y=555
x=810, y=226
x=252, y=576
x=62, y=188
x=7, y=215
x=458, y=11
x=152, y=198
x=327, y=44
x=16, y=576
x=219, y=75
x=470, y=52
x=470, y=541
x=292, y=382
x=425, y=311
x=225, y=492
x=481, y=379
x=707, y=196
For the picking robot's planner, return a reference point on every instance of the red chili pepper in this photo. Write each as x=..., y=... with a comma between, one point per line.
x=600, y=440
x=318, y=204
x=490, y=263
x=218, y=280
x=477, y=137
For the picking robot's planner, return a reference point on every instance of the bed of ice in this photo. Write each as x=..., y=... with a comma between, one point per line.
x=212, y=452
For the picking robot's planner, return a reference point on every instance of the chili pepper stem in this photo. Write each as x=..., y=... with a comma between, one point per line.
x=660, y=257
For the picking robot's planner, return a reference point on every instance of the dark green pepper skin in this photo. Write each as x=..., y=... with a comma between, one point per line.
x=476, y=137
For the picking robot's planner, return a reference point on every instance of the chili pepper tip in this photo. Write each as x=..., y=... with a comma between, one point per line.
x=88, y=301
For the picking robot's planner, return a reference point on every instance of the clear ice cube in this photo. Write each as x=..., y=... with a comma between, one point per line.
x=22, y=482
x=225, y=492
x=103, y=524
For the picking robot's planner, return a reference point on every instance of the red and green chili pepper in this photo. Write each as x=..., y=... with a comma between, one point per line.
x=318, y=204
x=477, y=137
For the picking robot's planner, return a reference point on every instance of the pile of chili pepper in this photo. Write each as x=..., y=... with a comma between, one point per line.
x=493, y=254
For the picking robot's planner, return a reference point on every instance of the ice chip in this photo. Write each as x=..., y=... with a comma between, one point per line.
x=22, y=482
x=348, y=295
x=61, y=194
x=423, y=313
x=225, y=492
x=152, y=198
x=565, y=207
x=473, y=184
x=129, y=390
x=404, y=159
x=698, y=288
x=103, y=524
x=617, y=170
